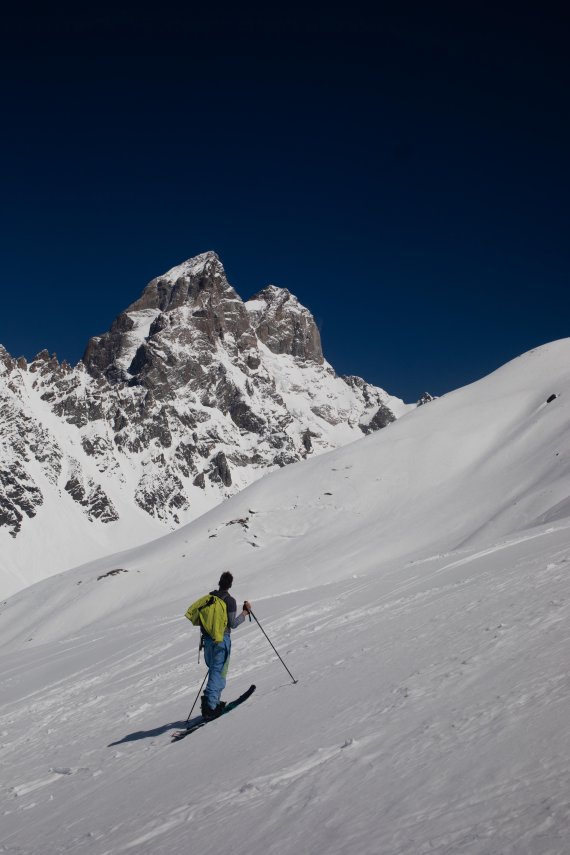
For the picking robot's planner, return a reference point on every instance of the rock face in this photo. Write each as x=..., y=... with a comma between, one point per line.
x=285, y=326
x=425, y=399
x=191, y=395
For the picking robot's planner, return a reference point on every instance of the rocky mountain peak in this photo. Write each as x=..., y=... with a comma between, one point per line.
x=186, y=314
x=190, y=396
x=7, y=362
x=187, y=283
x=183, y=313
x=284, y=325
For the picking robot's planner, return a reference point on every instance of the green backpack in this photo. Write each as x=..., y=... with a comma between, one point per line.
x=211, y=613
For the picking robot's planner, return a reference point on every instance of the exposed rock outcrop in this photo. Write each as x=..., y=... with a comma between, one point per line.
x=284, y=325
x=425, y=399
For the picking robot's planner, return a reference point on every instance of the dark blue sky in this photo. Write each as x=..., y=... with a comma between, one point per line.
x=405, y=176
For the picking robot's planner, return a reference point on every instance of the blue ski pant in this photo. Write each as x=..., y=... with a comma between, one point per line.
x=217, y=658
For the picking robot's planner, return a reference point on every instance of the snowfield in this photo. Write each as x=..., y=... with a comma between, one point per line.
x=416, y=583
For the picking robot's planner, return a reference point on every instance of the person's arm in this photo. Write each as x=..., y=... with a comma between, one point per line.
x=235, y=620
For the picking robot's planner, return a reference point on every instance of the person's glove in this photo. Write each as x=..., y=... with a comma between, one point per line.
x=247, y=606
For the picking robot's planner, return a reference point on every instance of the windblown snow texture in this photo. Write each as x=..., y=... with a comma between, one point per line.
x=417, y=583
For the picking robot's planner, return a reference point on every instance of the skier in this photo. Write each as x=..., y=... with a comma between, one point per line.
x=217, y=655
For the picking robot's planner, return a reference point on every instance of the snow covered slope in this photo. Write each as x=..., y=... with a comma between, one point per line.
x=417, y=584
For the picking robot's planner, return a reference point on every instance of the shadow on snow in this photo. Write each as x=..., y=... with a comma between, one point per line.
x=157, y=731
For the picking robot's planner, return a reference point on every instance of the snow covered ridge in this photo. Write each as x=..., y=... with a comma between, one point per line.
x=188, y=398
x=480, y=465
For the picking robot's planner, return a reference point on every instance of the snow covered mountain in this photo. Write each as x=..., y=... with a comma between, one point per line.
x=417, y=584
x=189, y=397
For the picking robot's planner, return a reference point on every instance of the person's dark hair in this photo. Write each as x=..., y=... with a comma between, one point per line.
x=226, y=581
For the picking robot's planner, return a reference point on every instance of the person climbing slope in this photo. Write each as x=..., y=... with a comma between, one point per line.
x=217, y=654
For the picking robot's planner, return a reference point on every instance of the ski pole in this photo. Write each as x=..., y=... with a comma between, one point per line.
x=197, y=696
x=273, y=646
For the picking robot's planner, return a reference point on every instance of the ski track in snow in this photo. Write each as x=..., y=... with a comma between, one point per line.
x=406, y=733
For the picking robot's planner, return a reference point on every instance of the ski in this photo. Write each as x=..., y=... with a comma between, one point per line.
x=180, y=734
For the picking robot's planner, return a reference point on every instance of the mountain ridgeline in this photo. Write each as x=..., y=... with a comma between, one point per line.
x=190, y=396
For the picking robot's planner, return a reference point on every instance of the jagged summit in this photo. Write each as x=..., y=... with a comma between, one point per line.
x=284, y=325
x=183, y=283
x=194, y=305
x=193, y=266
x=190, y=396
